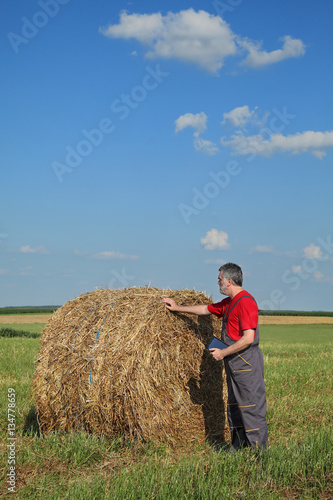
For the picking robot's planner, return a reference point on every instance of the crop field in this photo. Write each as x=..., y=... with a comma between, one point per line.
x=298, y=465
x=14, y=319
x=295, y=320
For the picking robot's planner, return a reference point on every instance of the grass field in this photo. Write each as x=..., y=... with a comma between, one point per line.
x=298, y=373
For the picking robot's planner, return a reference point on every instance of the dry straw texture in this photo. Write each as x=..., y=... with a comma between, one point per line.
x=116, y=362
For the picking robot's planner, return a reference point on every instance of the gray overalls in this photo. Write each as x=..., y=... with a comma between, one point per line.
x=246, y=391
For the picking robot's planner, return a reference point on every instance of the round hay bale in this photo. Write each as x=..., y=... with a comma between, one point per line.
x=116, y=362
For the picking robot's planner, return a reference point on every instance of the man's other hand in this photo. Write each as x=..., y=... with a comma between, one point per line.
x=217, y=354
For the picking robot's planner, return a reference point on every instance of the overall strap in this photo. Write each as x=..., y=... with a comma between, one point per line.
x=226, y=316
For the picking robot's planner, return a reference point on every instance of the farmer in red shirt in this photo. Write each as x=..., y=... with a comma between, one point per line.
x=243, y=360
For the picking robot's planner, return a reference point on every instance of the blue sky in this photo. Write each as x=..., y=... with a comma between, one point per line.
x=149, y=144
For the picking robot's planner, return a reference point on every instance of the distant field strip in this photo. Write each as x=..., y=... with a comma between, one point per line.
x=24, y=318
x=295, y=320
x=263, y=320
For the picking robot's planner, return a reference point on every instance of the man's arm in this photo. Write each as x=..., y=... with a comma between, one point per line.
x=199, y=309
x=245, y=341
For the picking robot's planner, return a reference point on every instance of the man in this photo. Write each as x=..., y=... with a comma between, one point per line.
x=243, y=360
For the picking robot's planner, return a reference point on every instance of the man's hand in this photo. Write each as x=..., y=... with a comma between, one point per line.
x=244, y=342
x=199, y=309
x=170, y=304
x=217, y=354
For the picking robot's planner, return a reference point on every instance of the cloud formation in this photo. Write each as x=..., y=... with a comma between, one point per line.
x=302, y=142
x=258, y=58
x=198, y=122
x=321, y=278
x=268, y=139
x=203, y=39
x=312, y=252
x=196, y=37
x=204, y=146
x=27, y=249
x=238, y=117
x=107, y=255
x=215, y=240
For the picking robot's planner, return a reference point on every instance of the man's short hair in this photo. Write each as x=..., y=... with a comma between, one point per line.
x=233, y=272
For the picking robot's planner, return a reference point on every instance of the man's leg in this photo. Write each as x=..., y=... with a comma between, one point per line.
x=237, y=431
x=261, y=438
x=248, y=386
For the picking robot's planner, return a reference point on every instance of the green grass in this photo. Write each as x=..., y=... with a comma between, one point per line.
x=28, y=310
x=298, y=373
x=79, y=467
x=294, y=335
x=14, y=332
x=27, y=327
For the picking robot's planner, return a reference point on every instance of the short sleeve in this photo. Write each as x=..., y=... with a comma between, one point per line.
x=248, y=318
x=218, y=308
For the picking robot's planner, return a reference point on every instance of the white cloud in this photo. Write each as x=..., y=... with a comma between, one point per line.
x=239, y=117
x=301, y=142
x=319, y=154
x=312, y=252
x=3, y=272
x=321, y=278
x=258, y=58
x=298, y=269
x=146, y=28
x=262, y=249
x=215, y=240
x=106, y=255
x=198, y=122
x=113, y=255
x=196, y=37
x=204, y=146
x=27, y=249
x=264, y=143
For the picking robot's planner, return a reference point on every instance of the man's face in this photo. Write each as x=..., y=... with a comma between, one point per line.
x=222, y=284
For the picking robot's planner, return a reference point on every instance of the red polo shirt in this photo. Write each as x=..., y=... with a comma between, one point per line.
x=244, y=315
